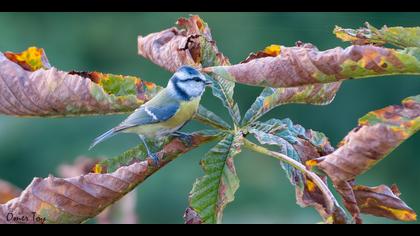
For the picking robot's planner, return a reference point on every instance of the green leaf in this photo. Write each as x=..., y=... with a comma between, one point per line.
x=208, y=117
x=212, y=192
x=119, y=85
x=210, y=56
x=302, y=145
x=398, y=36
x=288, y=136
x=223, y=89
x=318, y=94
x=286, y=148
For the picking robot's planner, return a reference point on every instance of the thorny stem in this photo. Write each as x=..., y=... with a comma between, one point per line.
x=329, y=197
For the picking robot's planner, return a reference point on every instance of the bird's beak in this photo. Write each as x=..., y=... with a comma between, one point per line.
x=208, y=83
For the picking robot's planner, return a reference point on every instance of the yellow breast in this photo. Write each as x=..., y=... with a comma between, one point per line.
x=186, y=111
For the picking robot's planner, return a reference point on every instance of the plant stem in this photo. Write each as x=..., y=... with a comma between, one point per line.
x=328, y=196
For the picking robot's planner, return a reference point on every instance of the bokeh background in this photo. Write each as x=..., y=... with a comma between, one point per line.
x=107, y=42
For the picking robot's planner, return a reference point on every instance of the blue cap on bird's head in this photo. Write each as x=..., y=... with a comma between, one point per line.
x=188, y=70
x=185, y=73
x=188, y=82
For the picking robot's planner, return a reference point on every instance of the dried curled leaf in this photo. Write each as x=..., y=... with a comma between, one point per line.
x=383, y=201
x=51, y=92
x=165, y=49
x=398, y=36
x=305, y=64
x=191, y=44
x=76, y=199
x=317, y=94
x=308, y=194
x=33, y=88
x=379, y=132
x=212, y=192
x=8, y=191
x=124, y=208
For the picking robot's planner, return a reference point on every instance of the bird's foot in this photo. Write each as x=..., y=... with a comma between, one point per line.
x=155, y=159
x=184, y=137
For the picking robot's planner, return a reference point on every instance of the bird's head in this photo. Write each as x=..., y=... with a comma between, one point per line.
x=188, y=82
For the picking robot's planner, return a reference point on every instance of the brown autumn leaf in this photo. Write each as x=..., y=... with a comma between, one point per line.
x=383, y=201
x=123, y=211
x=302, y=145
x=81, y=166
x=29, y=86
x=76, y=199
x=316, y=94
x=190, y=43
x=166, y=48
x=308, y=194
x=8, y=191
x=305, y=65
x=379, y=132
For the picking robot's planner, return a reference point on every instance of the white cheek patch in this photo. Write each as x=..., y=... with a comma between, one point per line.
x=192, y=88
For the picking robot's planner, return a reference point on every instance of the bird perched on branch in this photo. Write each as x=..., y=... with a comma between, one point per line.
x=165, y=113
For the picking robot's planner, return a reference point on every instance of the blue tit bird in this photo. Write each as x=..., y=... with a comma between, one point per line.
x=165, y=113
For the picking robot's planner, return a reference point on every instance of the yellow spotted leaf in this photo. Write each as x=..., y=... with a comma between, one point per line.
x=383, y=201
x=399, y=36
x=31, y=59
x=306, y=65
x=378, y=133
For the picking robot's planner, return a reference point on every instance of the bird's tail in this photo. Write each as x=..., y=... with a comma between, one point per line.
x=103, y=137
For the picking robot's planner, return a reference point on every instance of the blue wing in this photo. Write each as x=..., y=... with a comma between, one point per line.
x=149, y=115
x=160, y=108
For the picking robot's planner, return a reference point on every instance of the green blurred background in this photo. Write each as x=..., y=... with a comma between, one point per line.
x=107, y=42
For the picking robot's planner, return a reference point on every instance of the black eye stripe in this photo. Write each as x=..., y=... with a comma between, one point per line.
x=194, y=78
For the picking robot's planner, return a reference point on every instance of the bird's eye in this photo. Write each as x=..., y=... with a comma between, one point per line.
x=196, y=79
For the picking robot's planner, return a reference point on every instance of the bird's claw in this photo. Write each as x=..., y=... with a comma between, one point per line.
x=155, y=159
x=185, y=138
